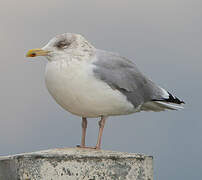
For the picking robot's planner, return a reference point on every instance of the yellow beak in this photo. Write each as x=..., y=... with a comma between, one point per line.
x=37, y=52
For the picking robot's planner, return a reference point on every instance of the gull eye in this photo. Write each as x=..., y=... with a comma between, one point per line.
x=62, y=44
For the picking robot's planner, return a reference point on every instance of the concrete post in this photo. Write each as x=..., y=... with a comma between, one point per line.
x=76, y=164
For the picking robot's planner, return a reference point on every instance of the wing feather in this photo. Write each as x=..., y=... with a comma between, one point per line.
x=122, y=74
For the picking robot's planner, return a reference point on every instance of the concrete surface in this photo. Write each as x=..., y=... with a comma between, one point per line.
x=76, y=164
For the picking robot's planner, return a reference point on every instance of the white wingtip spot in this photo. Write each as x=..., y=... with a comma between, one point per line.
x=165, y=93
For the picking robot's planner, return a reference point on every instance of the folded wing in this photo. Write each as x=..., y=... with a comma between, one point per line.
x=123, y=75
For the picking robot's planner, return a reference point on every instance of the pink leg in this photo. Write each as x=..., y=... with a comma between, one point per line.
x=84, y=126
x=101, y=128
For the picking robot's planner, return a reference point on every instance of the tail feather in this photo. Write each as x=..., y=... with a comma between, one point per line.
x=167, y=105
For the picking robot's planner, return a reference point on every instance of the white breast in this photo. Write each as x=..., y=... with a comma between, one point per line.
x=74, y=87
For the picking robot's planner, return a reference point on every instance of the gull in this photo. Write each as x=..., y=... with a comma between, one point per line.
x=93, y=83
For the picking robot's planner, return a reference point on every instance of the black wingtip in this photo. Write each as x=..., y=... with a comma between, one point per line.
x=174, y=99
x=171, y=99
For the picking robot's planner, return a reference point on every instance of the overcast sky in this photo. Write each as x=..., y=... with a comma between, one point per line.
x=164, y=38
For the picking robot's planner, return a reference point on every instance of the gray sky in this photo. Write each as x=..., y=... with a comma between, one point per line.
x=162, y=37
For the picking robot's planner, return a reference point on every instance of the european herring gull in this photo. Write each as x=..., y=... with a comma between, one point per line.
x=92, y=83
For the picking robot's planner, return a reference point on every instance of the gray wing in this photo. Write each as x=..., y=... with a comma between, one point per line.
x=121, y=74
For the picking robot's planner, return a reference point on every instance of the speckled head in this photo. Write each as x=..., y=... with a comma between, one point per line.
x=64, y=45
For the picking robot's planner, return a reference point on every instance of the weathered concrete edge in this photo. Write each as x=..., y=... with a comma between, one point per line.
x=9, y=165
x=81, y=153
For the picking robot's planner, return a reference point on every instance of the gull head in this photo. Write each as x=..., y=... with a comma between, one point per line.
x=62, y=46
